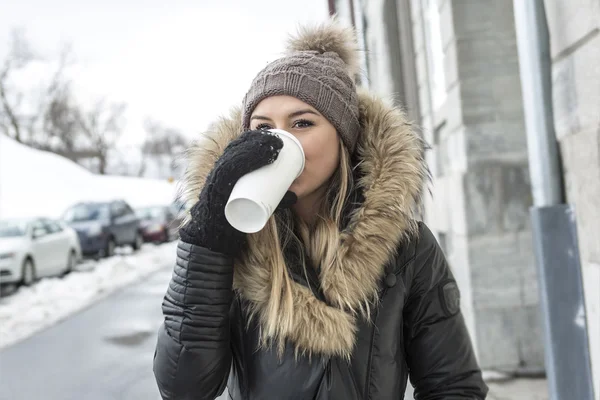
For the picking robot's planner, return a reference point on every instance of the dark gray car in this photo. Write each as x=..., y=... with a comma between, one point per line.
x=102, y=226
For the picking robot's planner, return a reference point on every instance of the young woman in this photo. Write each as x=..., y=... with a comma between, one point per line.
x=344, y=294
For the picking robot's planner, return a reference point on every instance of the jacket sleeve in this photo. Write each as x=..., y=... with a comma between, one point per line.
x=193, y=353
x=440, y=356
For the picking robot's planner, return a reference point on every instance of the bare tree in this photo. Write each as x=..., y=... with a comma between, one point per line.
x=153, y=131
x=176, y=147
x=61, y=125
x=103, y=125
x=162, y=144
x=21, y=113
x=55, y=91
x=19, y=55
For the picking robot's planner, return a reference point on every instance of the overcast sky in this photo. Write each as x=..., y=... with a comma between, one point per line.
x=183, y=62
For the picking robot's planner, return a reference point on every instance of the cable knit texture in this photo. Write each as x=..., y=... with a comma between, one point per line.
x=319, y=71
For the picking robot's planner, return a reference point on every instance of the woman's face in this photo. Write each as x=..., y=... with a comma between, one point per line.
x=318, y=137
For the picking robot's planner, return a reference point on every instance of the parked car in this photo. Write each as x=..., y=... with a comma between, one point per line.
x=159, y=224
x=36, y=248
x=102, y=226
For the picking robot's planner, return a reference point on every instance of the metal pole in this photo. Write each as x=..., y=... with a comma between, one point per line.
x=536, y=82
x=566, y=346
x=554, y=229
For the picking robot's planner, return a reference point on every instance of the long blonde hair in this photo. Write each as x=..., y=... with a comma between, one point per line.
x=319, y=241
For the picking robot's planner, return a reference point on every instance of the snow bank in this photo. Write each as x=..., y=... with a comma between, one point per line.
x=51, y=300
x=38, y=183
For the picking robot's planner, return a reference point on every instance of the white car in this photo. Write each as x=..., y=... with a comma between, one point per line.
x=36, y=248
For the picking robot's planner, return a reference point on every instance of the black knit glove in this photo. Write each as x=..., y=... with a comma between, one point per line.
x=208, y=226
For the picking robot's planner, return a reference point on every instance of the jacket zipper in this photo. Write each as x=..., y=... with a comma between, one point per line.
x=368, y=382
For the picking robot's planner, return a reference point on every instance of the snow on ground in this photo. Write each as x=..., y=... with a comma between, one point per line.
x=49, y=301
x=37, y=183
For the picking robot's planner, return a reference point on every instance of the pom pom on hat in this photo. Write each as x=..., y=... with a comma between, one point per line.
x=330, y=36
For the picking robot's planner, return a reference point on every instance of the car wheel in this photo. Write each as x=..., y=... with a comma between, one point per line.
x=109, y=251
x=139, y=241
x=28, y=276
x=70, y=262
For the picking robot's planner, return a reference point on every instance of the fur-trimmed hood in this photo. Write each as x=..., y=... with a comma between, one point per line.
x=393, y=174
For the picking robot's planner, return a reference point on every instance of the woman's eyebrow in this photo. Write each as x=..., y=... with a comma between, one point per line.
x=304, y=111
x=260, y=117
x=290, y=116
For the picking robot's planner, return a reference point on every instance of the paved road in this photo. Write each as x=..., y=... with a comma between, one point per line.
x=103, y=353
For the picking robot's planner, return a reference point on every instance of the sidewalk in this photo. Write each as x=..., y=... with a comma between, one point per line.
x=518, y=389
x=503, y=387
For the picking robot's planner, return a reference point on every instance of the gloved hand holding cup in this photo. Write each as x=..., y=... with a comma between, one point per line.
x=257, y=194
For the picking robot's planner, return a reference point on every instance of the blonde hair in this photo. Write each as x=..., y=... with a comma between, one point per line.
x=319, y=241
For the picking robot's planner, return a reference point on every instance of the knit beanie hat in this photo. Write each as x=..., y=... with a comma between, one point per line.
x=319, y=68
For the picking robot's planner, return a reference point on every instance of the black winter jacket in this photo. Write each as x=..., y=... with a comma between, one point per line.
x=387, y=310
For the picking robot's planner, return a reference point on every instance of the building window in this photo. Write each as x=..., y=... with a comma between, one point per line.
x=435, y=52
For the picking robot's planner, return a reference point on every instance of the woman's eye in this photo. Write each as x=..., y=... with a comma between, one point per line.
x=303, y=123
x=262, y=127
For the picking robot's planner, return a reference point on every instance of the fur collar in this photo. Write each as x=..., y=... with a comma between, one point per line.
x=393, y=170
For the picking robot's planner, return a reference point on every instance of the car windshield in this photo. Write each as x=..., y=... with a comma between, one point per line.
x=150, y=213
x=87, y=212
x=13, y=228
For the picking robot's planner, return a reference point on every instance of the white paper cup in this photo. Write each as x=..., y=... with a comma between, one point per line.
x=257, y=194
